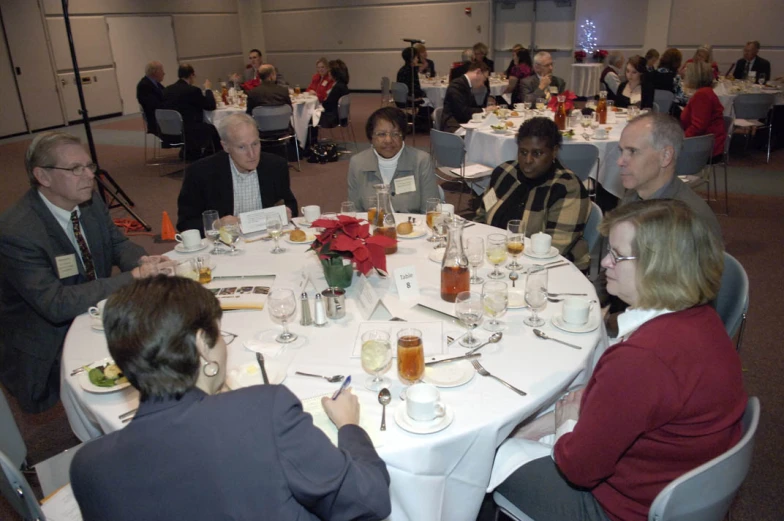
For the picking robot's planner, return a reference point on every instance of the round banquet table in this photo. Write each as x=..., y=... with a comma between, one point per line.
x=435, y=90
x=442, y=475
x=585, y=78
x=727, y=91
x=489, y=148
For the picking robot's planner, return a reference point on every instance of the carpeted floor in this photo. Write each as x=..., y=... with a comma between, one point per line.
x=750, y=232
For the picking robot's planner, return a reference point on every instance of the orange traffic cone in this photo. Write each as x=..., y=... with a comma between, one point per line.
x=167, y=228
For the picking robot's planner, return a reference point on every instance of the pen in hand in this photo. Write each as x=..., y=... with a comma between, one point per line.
x=343, y=387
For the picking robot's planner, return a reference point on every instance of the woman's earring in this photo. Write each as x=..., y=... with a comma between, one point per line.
x=210, y=369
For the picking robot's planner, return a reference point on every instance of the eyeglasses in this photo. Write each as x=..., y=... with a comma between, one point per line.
x=384, y=135
x=77, y=170
x=619, y=258
x=228, y=337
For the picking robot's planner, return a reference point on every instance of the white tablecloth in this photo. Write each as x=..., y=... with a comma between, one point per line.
x=585, y=79
x=488, y=148
x=436, y=90
x=727, y=92
x=436, y=476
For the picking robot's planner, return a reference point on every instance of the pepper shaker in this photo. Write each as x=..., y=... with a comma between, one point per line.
x=307, y=319
x=320, y=312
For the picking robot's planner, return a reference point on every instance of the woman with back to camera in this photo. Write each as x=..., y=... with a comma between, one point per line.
x=704, y=114
x=190, y=453
x=674, y=366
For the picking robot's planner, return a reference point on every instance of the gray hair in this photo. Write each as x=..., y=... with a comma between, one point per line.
x=541, y=55
x=698, y=75
x=468, y=56
x=615, y=58
x=233, y=121
x=152, y=67
x=41, y=151
x=666, y=131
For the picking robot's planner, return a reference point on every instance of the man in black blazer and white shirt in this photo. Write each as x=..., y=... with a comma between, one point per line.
x=149, y=93
x=751, y=62
x=538, y=85
x=187, y=99
x=239, y=179
x=459, y=102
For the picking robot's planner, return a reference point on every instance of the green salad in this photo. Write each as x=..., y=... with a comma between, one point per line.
x=108, y=375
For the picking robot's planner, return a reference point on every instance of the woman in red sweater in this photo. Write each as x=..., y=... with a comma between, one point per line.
x=321, y=82
x=704, y=114
x=666, y=398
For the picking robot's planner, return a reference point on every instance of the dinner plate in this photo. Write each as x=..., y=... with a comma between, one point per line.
x=529, y=252
x=449, y=374
x=437, y=255
x=309, y=238
x=471, y=124
x=180, y=248
x=593, y=323
x=416, y=234
x=87, y=385
x=250, y=374
x=426, y=427
x=301, y=222
x=516, y=299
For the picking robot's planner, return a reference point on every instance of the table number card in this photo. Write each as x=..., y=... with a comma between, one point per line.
x=406, y=283
x=256, y=220
x=370, y=304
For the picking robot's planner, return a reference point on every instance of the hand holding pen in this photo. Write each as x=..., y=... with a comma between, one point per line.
x=343, y=407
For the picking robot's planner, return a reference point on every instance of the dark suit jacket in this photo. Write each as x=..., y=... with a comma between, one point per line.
x=490, y=63
x=208, y=186
x=149, y=93
x=329, y=118
x=761, y=66
x=36, y=306
x=188, y=100
x=459, y=105
x=251, y=454
x=267, y=94
x=458, y=71
x=530, y=85
x=404, y=76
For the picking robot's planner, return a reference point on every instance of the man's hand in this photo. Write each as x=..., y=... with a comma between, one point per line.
x=544, y=83
x=344, y=410
x=568, y=407
x=207, y=84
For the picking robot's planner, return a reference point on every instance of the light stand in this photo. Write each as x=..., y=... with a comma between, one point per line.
x=106, y=184
x=411, y=94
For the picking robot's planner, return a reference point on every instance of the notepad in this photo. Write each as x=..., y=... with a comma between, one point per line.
x=313, y=407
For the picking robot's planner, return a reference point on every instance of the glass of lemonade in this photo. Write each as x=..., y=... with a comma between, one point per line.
x=275, y=230
x=496, y=253
x=376, y=358
x=433, y=211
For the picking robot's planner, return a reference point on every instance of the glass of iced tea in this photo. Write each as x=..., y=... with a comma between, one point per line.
x=433, y=211
x=410, y=356
x=297, y=90
x=515, y=242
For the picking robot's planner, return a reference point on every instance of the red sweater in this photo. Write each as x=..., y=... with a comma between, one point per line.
x=659, y=404
x=321, y=86
x=704, y=114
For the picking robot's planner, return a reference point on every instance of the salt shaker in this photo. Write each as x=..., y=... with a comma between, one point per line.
x=307, y=319
x=319, y=311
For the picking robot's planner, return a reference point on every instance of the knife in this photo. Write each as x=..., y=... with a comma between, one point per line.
x=439, y=311
x=227, y=277
x=453, y=359
x=260, y=360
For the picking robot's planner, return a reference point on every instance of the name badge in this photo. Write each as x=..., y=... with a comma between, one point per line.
x=489, y=199
x=404, y=185
x=66, y=266
x=324, y=83
x=553, y=90
x=406, y=282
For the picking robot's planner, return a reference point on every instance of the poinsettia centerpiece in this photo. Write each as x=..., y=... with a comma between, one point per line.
x=349, y=238
x=569, y=103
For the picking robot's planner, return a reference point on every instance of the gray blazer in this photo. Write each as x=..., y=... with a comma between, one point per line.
x=530, y=85
x=36, y=306
x=363, y=173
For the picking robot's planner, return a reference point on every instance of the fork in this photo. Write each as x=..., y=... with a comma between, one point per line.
x=482, y=371
x=567, y=294
x=330, y=379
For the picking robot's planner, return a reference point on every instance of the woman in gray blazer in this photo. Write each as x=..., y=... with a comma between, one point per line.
x=408, y=171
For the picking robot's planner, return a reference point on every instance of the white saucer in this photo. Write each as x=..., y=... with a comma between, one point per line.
x=593, y=323
x=309, y=238
x=301, y=222
x=529, y=252
x=437, y=255
x=415, y=234
x=417, y=427
x=516, y=299
x=180, y=248
x=250, y=374
x=450, y=374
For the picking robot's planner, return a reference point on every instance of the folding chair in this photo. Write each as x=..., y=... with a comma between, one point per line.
x=437, y=118
x=580, y=158
x=170, y=124
x=386, y=95
x=449, y=153
x=593, y=237
x=749, y=110
x=732, y=302
x=725, y=159
x=663, y=99
x=693, y=159
x=277, y=118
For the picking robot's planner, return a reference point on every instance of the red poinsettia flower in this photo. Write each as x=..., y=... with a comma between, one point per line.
x=580, y=55
x=569, y=103
x=347, y=237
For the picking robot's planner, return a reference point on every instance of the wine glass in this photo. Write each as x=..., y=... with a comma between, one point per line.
x=275, y=229
x=433, y=209
x=540, y=104
x=496, y=253
x=475, y=251
x=348, y=208
x=495, y=297
x=469, y=309
x=209, y=218
x=376, y=358
x=536, y=294
x=515, y=242
x=230, y=233
x=282, y=306
x=410, y=357
x=761, y=79
x=594, y=123
x=586, y=123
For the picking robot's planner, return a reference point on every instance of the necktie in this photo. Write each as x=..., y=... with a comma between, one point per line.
x=746, y=71
x=87, y=257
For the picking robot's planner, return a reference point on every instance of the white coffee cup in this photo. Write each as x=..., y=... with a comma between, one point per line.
x=190, y=239
x=600, y=133
x=576, y=310
x=447, y=208
x=519, y=106
x=311, y=213
x=477, y=116
x=422, y=402
x=96, y=314
x=540, y=243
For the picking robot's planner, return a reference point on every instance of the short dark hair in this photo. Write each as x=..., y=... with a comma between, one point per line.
x=256, y=51
x=543, y=128
x=651, y=55
x=392, y=114
x=185, y=71
x=671, y=59
x=524, y=56
x=339, y=71
x=409, y=54
x=474, y=65
x=151, y=328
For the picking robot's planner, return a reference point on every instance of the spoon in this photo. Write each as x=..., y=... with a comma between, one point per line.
x=494, y=339
x=513, y=276
x=542, y=334
x=384, y=397
x=330, y=379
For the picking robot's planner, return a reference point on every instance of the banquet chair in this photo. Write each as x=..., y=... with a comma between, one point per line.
x=277, y=119
x=580, y=158
x=386, y=94
x=16, y=490
x=593, y=237
x=449, y=153
x=156, y=142
x=732, y=302
x=663, y=98
x=706, y=493
x=437, y=118
x=400, y=97
x=754, y=112
x=693, y=161
x=170, y=124
x=725, y=159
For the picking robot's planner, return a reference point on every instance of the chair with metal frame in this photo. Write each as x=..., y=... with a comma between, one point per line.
x=437, y=118
x=732, y=302
x=400, y=97
x=386, y=94
x=17, y=491
x=663, y=99
x=344, y=122
x=276, y=121
x=156, y=142
x=449, y=153
x=170, y=124
x=725, y=159
x=580, y=158
x=749, y=110
x=693, y=160
x=593, y=238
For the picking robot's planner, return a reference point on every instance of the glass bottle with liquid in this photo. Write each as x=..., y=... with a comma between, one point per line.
x=384, y=220
x=455, y=276
x=601, y=108
x=560, y=113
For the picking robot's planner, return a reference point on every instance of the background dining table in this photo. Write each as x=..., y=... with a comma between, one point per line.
x=442, y=475
x=435, y=89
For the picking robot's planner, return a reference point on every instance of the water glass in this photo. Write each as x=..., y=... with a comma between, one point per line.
x=433, y=210
x=475, y=251
x=282, y=306
x=232, y=234
x=536, y=294
x=275, y=229
x=495, y=297
x=211, y=221
x=348, y=208
x=469, y=308
x=376, y=358
x=496, y=253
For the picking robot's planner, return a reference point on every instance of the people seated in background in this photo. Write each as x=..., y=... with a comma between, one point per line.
x=461, y=68
x=241, y=178
x=338, y=71
x=751, y=62
x=610, y=78
x=650, y=145
x=407, y=170
x=321, y=82
x=540, y=191
x=186, y=98
x=425, y=66
x=673, y=363
x=267, y=93
x=522, y=68
x=652, y=59
x=58, y=245
x=480, y=55
x=252, y=453
x=408, y=76
x=704, y=53
x=636, y=90
x=538, y=85
x=516, y=47
x=459, y=102
x=149, y=94
x=251, y=73
x=666, y=77
x=704, y=114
